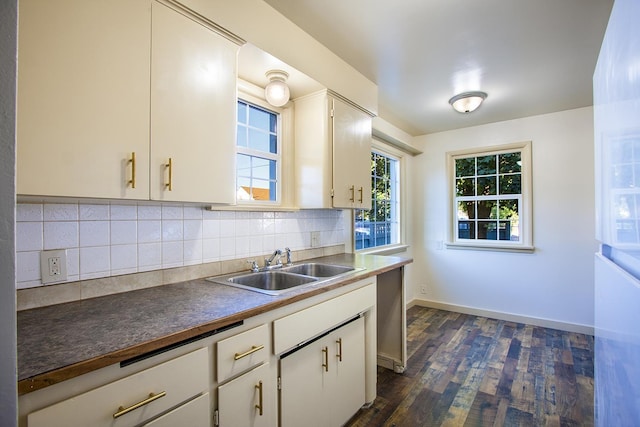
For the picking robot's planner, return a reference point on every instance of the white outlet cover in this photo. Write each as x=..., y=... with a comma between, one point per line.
x=45, y=256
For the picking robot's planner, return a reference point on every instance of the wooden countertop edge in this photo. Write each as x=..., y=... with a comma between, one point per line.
x=49, y=378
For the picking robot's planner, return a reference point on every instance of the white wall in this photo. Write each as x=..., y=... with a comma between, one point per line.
x=8, y=396
x=556, y=281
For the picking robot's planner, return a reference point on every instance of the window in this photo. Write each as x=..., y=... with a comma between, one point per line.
x=491, y=197
x=380, y=225
x=258, y=154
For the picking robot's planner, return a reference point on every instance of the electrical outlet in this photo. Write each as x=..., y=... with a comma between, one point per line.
x=53, y=266
x=315, y=239
x=423, y=289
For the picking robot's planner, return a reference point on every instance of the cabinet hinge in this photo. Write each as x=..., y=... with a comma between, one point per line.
x=332, y=112
x=279, y=383
x=216, y=418
x=332, y=192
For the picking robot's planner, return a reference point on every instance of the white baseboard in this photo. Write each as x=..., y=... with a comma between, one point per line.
x=536, y=321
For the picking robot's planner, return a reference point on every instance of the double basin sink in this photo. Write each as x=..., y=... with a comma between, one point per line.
x=286, y=278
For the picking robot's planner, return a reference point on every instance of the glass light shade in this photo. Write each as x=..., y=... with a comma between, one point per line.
x=467, y=102
x=277, y=92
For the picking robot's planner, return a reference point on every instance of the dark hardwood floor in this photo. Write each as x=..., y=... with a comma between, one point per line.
x=467, y=370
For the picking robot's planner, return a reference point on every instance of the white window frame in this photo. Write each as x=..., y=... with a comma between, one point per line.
x=525, y=244
x=400, y=246
x=247, y=93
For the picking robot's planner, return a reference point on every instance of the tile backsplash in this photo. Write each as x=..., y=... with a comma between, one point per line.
x=104, y=240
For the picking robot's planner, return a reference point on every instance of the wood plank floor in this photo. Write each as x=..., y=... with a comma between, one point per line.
x=467, y=370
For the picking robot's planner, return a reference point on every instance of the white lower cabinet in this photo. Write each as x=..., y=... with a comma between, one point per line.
x=323, y=382
x=138, y=398
x=248, y=400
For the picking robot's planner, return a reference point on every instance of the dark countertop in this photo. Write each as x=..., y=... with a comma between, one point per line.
x=62, y=341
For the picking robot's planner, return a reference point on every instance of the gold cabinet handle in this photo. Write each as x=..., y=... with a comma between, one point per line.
x=122, y=410
x=339, y=355
x=132, y=181
x=259, y=405
x=353, y=193
x=254, y=348
x=360, y=191
x=169, y=185
x=325, y=365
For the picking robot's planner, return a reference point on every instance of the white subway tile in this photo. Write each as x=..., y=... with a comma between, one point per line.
x=124, y=212
x=94, y=233
x=256, y=247
x=149, y=231
x=94, y=212
x=94, y=262
x=192, y=229
x=227, y=228
x=172, y=230
x=227, y=248
x=29, y=212
x=60, y=235
x=206, y=214
x=124, y=258
x=28, y=266
x=210, y=229
x=124, y=232
x=29, y=236
x=149, y=212
x=243, y=246
x=149, y=256
x=193, y=212
x=192, y=252
x=172, y=212
x=211, y=250
x=73, y=264
x=61, y=212
x=172, y=254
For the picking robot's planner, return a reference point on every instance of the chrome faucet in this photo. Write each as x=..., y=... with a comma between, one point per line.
x=287, y=252
x=268, y=261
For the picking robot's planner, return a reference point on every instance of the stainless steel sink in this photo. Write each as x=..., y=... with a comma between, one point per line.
x=275, y=282
x=271, y=280
x=318, y=270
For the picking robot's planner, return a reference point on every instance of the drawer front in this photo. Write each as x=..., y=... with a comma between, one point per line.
x=180, y=379
x=243, y=351
x=196, y=413
x=291, y=330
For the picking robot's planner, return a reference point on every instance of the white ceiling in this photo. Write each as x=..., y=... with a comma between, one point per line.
x=530, y=56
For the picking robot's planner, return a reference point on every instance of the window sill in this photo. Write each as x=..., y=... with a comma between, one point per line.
x=495, y=248
x=385, y=250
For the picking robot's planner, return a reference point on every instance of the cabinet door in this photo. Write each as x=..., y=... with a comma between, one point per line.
x=351, y=157
x=302, y=398
x=248, y=400
x=83, y=98
x=193, y=110
x=348, y=394
x=323, y=383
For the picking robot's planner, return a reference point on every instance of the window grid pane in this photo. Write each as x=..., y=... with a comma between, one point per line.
x=379, y=225
x=258, y=157
x=488, y=193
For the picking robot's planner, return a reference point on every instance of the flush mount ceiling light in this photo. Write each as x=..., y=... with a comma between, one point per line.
x=467, y=102
x=277, y=92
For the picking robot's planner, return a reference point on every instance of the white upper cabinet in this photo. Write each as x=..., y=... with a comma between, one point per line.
x=111, y=93
x=333, y=153
x=83, y=98
x=193, y=110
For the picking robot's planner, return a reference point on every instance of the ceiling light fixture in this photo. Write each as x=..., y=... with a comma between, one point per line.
x=467, y=102
x=277, y=92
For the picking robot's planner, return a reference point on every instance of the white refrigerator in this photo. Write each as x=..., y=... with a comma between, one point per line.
x=616, y=85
